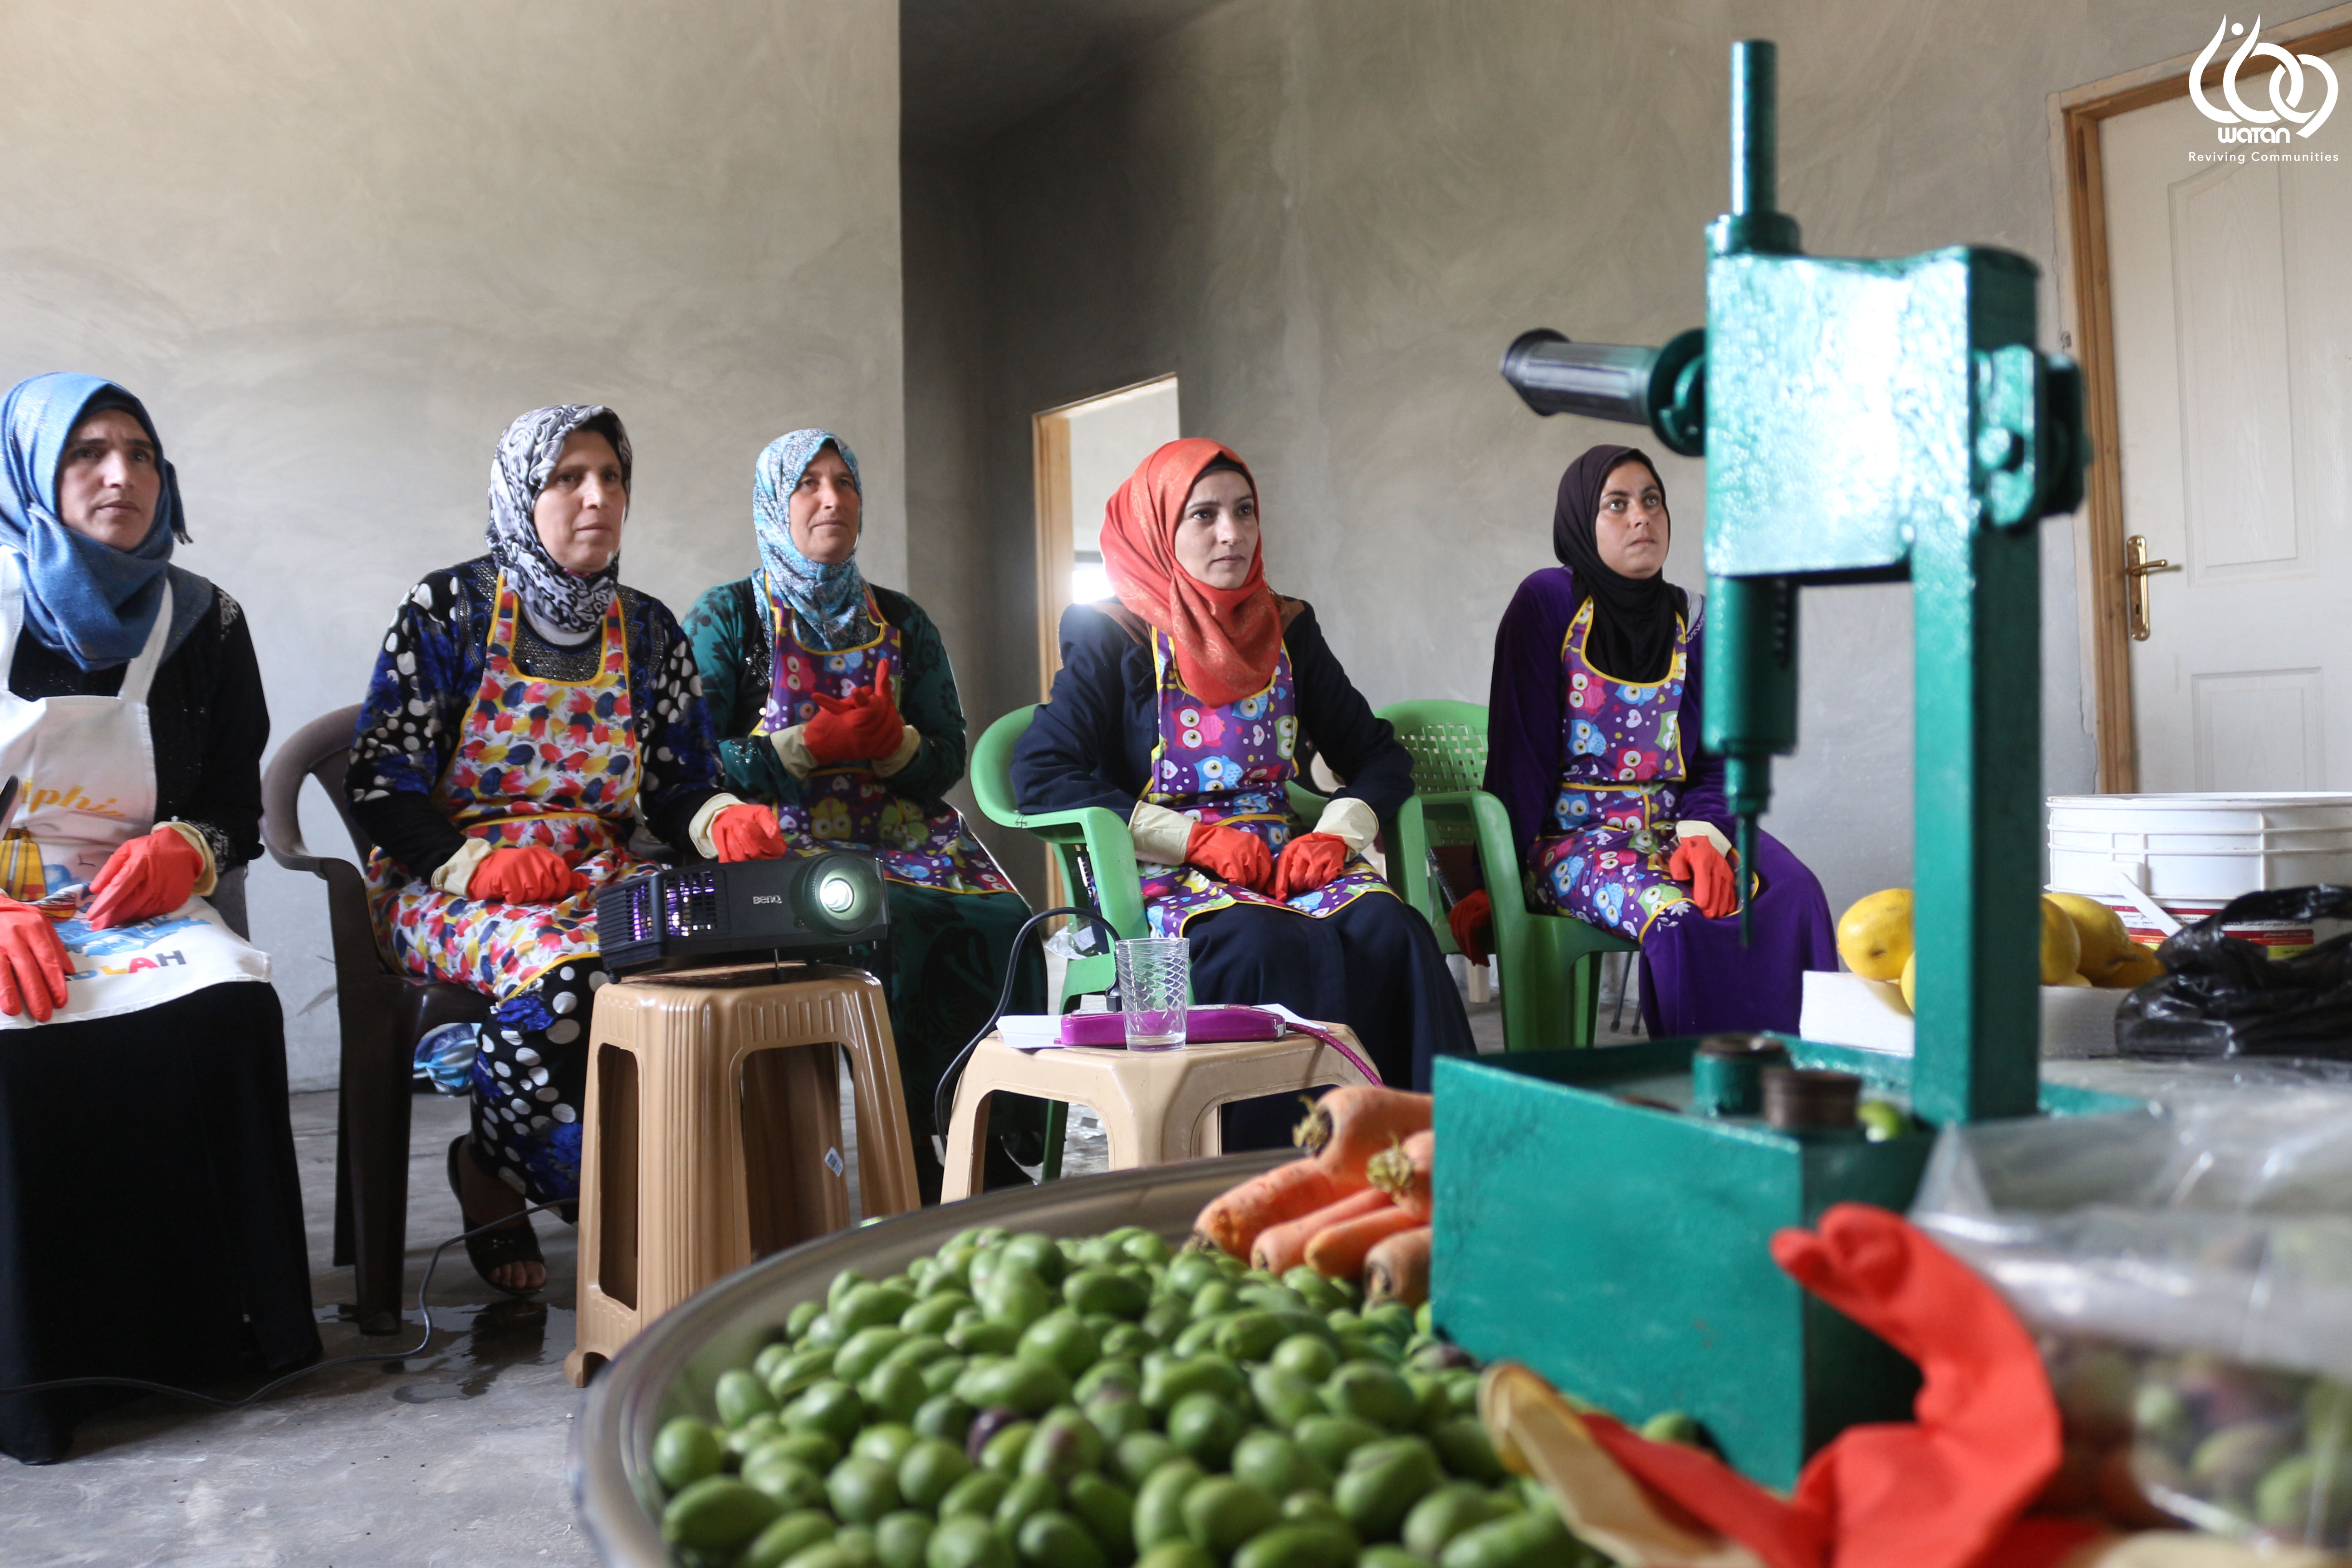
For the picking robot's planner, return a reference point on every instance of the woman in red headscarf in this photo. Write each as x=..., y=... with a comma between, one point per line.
x=1185, y=705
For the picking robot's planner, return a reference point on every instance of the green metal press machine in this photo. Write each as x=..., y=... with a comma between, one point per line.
x=1604, y=1215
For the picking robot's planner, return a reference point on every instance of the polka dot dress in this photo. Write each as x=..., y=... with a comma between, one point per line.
x=553, y=764
x=530, y=1074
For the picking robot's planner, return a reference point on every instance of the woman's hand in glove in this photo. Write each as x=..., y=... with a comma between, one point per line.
x=151, y=875
x=1232, y=854
x=748, y=833
x=1472, y=922
x=859, y=727
x=527, y=874
x=1308, y=862
x=33, y=964
x=1700, y=864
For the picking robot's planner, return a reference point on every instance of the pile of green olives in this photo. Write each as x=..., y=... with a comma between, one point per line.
x=1025, y=1401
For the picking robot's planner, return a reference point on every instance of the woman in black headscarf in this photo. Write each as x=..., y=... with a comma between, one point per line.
x=1592, y=746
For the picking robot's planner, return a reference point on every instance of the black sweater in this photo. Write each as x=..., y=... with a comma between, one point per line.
x=205, y=713
x=1091, y=743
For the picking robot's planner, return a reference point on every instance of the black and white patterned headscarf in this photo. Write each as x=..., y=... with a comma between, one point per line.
x=556, y=599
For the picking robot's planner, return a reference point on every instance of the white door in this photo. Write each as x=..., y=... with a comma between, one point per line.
x=2232, y=293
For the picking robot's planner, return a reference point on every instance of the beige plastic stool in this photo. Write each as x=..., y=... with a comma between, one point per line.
x=708, y=1142
x=1158, y=1107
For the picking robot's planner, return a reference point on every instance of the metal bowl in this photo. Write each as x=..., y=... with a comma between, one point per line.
x=671, y=1368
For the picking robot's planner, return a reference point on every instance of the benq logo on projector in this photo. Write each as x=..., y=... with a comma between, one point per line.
x=2286, y=117
x=767, y=898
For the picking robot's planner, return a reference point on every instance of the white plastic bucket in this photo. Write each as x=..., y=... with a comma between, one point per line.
x=2192, y=854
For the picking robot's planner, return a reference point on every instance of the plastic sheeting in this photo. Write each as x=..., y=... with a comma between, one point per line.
x=2219, y=1221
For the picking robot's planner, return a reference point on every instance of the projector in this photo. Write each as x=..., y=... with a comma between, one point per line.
x=801, y=904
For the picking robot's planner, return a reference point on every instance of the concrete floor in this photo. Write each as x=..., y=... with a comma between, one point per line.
x=453, y=1457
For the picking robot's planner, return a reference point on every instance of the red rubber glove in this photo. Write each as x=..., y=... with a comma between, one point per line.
x=1698, y=863
x=1308, y=862
x=1472, y=922
x=150, y=875
x=1232, y=854
x=748, y=833
x=1943, y=1491
x=526, y=874
x=33, y=963
x=859, y=727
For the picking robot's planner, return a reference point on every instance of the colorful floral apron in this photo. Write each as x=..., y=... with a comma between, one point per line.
x=1612, y=824
x=851, y=806
x=548, y=762
x=1227, y=766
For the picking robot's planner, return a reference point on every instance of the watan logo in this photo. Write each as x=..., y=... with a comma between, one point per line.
x=2241, y=122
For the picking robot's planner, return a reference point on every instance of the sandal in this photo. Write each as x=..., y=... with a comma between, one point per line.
x=492, y=1250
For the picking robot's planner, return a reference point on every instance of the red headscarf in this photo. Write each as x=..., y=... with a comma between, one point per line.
x=1226, y=639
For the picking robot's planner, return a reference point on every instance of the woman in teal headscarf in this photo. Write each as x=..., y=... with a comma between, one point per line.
x=835, y=703
x=150, y=1216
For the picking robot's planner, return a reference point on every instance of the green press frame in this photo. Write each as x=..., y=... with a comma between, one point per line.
x=1863, y=421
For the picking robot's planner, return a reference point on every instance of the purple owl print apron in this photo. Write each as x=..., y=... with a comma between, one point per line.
x=1226, y=766
x=547, y=762
x=1602, y=858
x=851, y=806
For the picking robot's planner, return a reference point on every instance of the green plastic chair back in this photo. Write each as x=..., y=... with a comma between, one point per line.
x=1550, y=964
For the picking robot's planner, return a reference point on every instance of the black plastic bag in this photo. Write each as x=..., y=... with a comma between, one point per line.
x=2224, y=996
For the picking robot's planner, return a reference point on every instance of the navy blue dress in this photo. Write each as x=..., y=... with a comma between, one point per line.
x=1374, y=967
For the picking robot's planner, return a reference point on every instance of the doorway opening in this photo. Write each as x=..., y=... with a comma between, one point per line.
x=1086, y=450
x=2216, y=347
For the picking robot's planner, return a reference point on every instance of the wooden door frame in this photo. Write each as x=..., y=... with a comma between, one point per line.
x=2086, y=305
x=1056, y=546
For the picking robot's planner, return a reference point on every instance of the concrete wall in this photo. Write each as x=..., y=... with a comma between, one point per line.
x=1328, y=217
x=336, y=246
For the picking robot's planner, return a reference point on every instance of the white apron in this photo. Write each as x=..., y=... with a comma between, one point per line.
x=86, y=768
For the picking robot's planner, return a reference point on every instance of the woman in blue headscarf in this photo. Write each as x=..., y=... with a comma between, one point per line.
x=151, y=1218
x=835, y=703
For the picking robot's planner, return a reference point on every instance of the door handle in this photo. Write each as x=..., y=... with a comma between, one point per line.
x=2137, y=566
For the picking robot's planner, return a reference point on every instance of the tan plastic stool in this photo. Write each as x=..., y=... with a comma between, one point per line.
x=1157, y=1107
x=708, y=1142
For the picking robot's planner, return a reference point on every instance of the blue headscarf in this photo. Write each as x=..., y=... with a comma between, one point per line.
x=89, y=601
x=829, y=600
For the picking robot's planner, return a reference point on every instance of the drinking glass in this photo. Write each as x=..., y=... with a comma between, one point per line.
x=1155, y=986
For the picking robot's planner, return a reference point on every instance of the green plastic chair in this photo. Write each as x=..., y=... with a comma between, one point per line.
x=1096, y=855
x=1550, y=964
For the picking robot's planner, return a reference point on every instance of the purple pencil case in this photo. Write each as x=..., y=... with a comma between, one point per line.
x=1202, y=1027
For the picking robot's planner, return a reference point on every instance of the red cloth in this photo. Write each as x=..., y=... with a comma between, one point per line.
x=151, y=875
x=526, y=874
x=1944, y=1491
x=33, y=966
x=1231, y=854
x=1472, y=922
x=1308, y=862
x=1699, y=863
x=748, y=833
x=1226, y=639
x=858, y=728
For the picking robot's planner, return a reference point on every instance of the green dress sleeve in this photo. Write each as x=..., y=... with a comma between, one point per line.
x=928, y=700
x=724, y=641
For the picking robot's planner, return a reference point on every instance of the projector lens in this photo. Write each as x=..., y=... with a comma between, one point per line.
x=840, y=893
x=836, y=892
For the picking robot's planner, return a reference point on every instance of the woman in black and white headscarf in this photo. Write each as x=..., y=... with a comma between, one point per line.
x=527, y=709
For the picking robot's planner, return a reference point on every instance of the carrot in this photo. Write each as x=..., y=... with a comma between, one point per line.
x=1337, y=1253
x=1398, y=1268
x=1283, y=1247
x=1403, y=1169
x=1348, y=1126
x=1233, y=1219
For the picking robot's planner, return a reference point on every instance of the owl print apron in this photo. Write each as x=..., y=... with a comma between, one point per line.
x=1225, y=765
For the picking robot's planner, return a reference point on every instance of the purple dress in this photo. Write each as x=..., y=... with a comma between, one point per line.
x=1596, y=773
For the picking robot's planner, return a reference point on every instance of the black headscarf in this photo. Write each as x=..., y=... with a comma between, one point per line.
x=1633, y=634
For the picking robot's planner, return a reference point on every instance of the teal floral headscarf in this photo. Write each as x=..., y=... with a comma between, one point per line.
x=829, y=602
